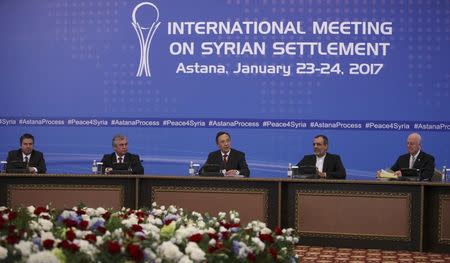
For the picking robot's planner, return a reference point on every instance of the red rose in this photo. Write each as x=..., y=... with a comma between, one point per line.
x=106, y=215
x=168, y=221
x=83, y=225
x=196, y=238
x=48, y=243
x=101, y=230
x=135, y=252
x=80, y=212
x=225, y=235
x=11, y=229
x=140, y=214
x=273, y=252
x=12, y=239
x=11, y=215
x=70, y=235
x=113, y=247
x=213, y=236
x=70, y=223
x=211, y=249
x=39, y=210
x=251, y=257
x=64, y=244
x=74, y=247
x=91, y=238
x=278, y=231
x=136, y=228
x=266, y=237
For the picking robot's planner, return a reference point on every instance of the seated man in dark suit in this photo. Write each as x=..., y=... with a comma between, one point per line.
x=121, y=156
x=328, y=165
x=231, y=160
x=415, y=159
x=34, y=160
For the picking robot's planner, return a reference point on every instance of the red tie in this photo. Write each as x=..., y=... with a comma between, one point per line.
x=225, y=160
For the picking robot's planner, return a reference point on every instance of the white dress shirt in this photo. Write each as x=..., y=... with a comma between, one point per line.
x=319, y=162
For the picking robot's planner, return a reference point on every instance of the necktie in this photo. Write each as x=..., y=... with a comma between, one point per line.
x=225, y=159
x=120, y=159
x=26, y=160
x=411, y=162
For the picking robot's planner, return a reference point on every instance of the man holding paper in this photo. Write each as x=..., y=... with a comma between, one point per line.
x=414, y=159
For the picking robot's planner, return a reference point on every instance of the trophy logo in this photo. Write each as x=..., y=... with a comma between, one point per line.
x=145, y=32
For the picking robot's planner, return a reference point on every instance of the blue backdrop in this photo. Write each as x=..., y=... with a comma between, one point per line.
x=69, y=75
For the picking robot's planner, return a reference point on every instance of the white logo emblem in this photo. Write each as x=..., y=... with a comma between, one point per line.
x=144, y=42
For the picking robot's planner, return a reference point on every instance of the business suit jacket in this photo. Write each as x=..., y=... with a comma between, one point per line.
x=236, y=161
x=332, y=165
x=133, y=161
x=424, y=162
x=36, y=159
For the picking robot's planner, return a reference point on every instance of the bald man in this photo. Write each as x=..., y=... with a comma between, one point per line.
x=415, y=158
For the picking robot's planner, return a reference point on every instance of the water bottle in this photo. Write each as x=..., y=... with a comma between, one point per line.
x=444, y=174
x=191, y=169
x=3, y=168
x=94, y=167
x=289, y=171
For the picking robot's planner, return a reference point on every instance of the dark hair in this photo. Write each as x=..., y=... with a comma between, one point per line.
x=220, y=134
x=26, y=136
x=325, y=139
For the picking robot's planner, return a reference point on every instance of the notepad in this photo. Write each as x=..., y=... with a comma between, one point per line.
x=387, y=174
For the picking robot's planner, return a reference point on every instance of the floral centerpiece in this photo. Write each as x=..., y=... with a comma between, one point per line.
x=159, y=234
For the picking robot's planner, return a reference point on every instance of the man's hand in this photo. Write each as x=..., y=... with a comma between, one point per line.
x=108, y=170
x=32, y=170
x=398, y=173
x=321, y=174
x=231, y=173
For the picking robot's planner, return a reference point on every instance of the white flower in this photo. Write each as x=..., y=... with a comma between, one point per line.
x=31, y=210
x=3, y=252
x=151, y=255
x=212, y=242
x=279, y=238
x=86, y=247
x=185, y=259
x=260, y=245
x=266, y=231
x=100, y=211
x=132, y=220
x=46, y=235
x=172, y=209
x=90, y=211
x=243, y=250
x=25, y=247
x=169, y=251
x=236, y=220
x=34, y=225
x=289, y=239
x=68, y=214
x=46, y=225
x=222, y=215
x=295, y=240
x=194, y=252
x=99, y=241
x=43, y=257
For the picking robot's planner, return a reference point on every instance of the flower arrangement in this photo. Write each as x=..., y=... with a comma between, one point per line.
x=158, y=234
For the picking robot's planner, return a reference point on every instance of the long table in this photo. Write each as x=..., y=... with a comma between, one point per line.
x=358, y=214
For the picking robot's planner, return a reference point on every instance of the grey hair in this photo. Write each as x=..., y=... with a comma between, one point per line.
x=118, y=137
